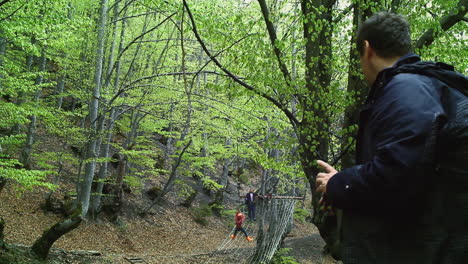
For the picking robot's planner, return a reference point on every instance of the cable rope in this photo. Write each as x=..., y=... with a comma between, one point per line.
x=280, y=216
x=275, y=217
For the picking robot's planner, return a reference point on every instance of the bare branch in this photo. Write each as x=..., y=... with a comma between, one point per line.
x=283, y=108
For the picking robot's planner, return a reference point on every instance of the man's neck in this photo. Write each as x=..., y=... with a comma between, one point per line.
x=379, y=64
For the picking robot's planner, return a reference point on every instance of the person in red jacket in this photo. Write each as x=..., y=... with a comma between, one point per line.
x=240, y=218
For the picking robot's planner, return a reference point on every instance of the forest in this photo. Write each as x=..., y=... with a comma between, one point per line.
x=118, y=112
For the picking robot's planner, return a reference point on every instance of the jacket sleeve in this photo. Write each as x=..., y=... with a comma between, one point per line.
x=399, y=124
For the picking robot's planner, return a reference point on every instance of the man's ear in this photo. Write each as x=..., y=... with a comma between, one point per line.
x=368, y=50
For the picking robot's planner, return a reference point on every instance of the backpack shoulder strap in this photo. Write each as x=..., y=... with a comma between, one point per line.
x=440, y=71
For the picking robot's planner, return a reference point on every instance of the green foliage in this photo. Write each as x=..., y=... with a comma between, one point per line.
x=210, y=184
x=228, y=213
x=189, y=199
x=157, y=103
x=217, y=208
x=27, y=179
x=301, y=214
x=133, y=181
x=243, y=178
x=183, y=189
x=281, y=257
x=201, y=213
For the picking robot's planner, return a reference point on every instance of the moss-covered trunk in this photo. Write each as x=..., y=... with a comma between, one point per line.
x=42, y=246
x=314, y=129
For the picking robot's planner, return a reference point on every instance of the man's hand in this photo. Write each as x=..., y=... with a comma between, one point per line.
x=323, y=177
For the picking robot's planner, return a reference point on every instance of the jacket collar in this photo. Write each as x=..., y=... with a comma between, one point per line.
x=386, y=74
x=407, y=59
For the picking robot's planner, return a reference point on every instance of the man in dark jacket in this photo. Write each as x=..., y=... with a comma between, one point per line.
x=391, y=200
x=250, y=201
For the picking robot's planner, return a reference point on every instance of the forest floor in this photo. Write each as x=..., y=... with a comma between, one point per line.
x=170, y=235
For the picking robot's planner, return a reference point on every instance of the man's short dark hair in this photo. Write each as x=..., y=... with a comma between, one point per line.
x=388, y=34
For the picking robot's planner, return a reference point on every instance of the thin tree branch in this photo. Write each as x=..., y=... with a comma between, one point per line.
x=171, y=179
x=344, y=13
x=286, y=111
x=4, y=2
x=10, y=15
x=127, y=4
x=133, y=16
x=395, y=5
x=336, y=159
x=167, y=74
x=218, y=53
x=134, y=41
x=161, y=40
x=446, y=22
x=274, y=39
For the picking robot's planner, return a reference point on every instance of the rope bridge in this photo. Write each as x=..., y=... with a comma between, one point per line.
x=274, y=222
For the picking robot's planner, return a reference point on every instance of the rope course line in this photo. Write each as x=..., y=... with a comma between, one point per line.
x=275, y=218
x=280, y=217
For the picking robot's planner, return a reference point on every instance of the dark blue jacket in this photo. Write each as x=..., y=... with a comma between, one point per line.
x=250, y=201
x=387, y=198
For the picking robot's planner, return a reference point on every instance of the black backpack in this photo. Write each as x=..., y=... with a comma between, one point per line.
x=452, y=134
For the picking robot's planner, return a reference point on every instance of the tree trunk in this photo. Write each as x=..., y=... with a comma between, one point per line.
x=318, y=78
x=110, y=64
x=2, y=226
x=42, y=246
x=25, y=157
x=2, y=183
x=172, y=177
x=60, y=87
x=2, y=54
x=96, y=199
x=85, y=190
x=446, y=22
x=227, y=162
x=118, y=198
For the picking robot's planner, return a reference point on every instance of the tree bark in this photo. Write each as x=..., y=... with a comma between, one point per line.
x=3, y=182
x=60, y=87
x=227, y=162
x=119, y=181
x=318, y=78
x=25, y=157
x=172, y=177
x=356, y=88
x=2, y=226
x=42, y=246
x=446, y=22
x=96, y=199
x=91, y=155
x=105, y=148
x=2, y=53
